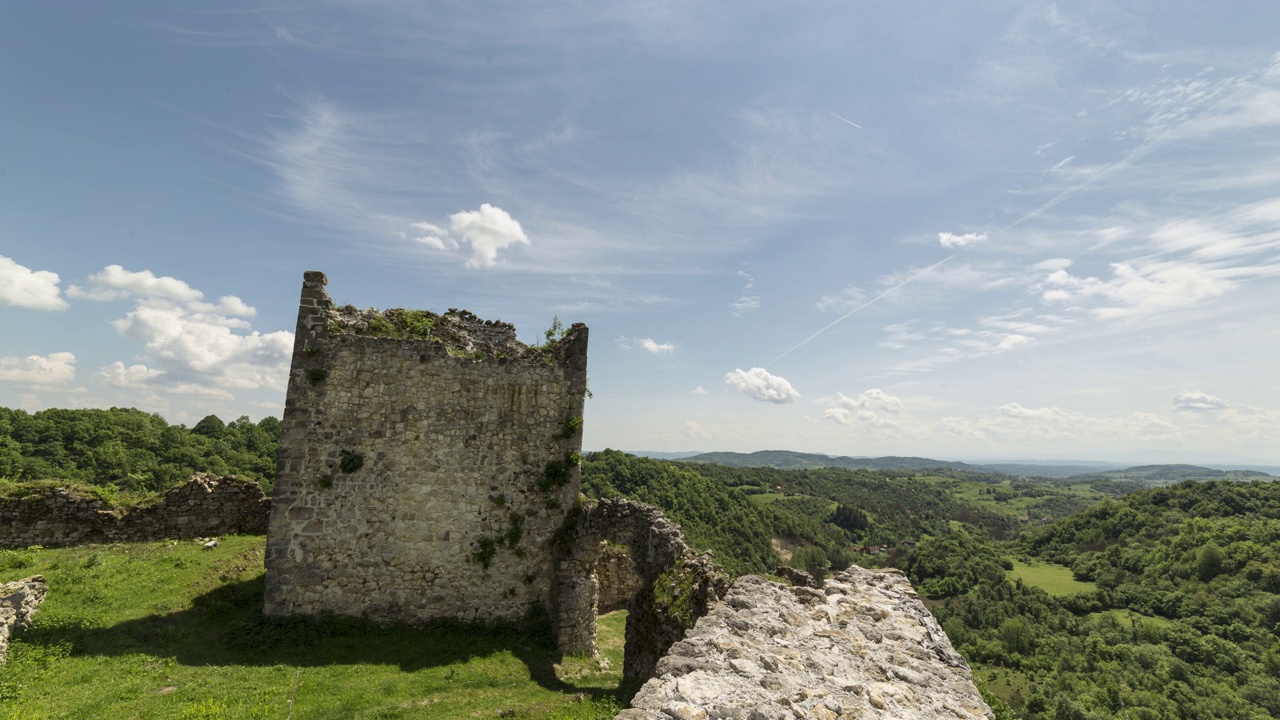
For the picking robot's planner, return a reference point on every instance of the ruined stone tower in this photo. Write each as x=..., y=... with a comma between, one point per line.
x=426, y=463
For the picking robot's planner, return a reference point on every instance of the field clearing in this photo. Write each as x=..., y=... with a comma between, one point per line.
x=1125, y=617
x=170, y=630
x=1053, y=579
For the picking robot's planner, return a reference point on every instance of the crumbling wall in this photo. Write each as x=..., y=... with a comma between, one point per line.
x=676, y=585
x=19, y=602
x=426, y=462
x=863, y=646
x=206, y=504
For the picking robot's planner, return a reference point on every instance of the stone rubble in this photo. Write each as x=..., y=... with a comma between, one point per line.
x=19, y=602
x=864, y=646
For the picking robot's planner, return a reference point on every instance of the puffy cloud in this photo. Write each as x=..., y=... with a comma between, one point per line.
x=127, y=377
x=864, y=408
x=654, y=347
x=699, y=390
x=950, y=240
x=206, y=344
x=197, y=343
x=53, y=369
x=1197, y=401
x=758, y=384
x=26, y=288
x=116, y=283
x=489, y=230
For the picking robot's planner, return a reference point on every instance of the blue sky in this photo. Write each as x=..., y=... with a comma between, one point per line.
x=1012, y=229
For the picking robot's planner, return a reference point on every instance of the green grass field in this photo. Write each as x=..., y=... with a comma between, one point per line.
x=1053, y=579
x=170, y=630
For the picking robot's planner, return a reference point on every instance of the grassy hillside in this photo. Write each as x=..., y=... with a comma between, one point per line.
x=170, y=630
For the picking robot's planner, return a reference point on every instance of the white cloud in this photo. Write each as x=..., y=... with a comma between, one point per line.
x=115, y=283
x=873, y=399
x=744, y=304
x=843, y=301
x=863, y=409
x=206, y=344
x=950, y=240
x=198, y=344
x=53, y=369
x=433, y=236
x=693, y=430
x=489, y=230
x=654, y=347
x=1138, y=292
x=699, y=390
x=26, y=288
x=1197, y=401
x=758, y=384
x=133, y=376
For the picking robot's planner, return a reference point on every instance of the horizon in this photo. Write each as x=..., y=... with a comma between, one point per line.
x=1028, y=230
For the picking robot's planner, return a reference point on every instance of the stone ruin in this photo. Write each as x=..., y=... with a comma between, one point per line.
x=429, y=468
x=19, y=601
x=206, y=504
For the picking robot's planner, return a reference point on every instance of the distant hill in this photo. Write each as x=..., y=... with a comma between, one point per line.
x=788, y=460
x=1049, y=470
x=1156, y=475
x=659, y=455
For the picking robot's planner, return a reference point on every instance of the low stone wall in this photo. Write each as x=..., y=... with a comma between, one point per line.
x=863, y=646
x=204, y=505
x=19, y=602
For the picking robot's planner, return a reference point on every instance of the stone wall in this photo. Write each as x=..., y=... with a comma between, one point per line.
x=421, y=475
x=616, y=574
x=19, y=602
x=204, y=505
x=675, y=584
x=863, y=646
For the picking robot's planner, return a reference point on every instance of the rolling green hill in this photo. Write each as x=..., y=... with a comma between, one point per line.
x=788, y=460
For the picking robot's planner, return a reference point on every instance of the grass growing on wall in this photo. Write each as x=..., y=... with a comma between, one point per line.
x=170, y=630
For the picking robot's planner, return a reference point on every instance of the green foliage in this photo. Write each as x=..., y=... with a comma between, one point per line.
x=555, y=333
x=485, y=550
x=350, y=461
x=515, y=529
x=571, y=428
x=713, y=516
x=558, y=472
x=315, y=376
x=1182, y=623
x=128, y=451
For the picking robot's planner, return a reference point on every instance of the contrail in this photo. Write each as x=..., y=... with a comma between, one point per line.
x=844, y=119
x=868, y=303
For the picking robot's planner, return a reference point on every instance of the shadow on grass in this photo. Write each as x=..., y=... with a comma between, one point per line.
x=226, y=627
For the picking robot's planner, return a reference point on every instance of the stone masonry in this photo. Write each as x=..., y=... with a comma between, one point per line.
x=426, y=464
x=862, y=647
x=19, y=602
x=675, y=585
x=204, y=505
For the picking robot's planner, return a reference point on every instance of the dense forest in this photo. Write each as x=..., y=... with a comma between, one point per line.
x=132, y=451
x=1076, y=598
